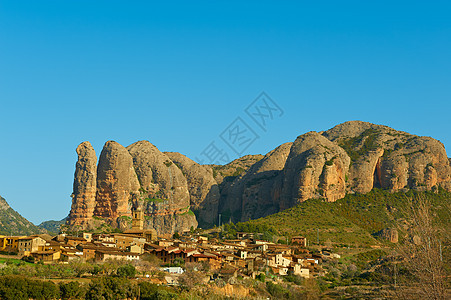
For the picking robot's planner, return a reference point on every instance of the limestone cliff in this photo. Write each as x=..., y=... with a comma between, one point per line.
x=203, y=188
x=85, y=186
x=255, y=192
x=315, y=168
x=353, y=157
x=164, y=189
x=139, y=175
x=389, y=159
x=117, y=183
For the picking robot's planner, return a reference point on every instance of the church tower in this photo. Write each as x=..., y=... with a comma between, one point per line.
x=138, y=219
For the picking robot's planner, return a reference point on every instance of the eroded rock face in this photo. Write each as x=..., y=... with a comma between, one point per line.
x=117, y=183
x=353, y=157
x=254, y=190
x=160, y=178
x=315, y=168
x=385, y=158
x=85, y=186
x=164, y=189
x=203, y=188
x=389, y=234
x=228, y=176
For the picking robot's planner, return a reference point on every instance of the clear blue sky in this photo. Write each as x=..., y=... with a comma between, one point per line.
x=177, y=74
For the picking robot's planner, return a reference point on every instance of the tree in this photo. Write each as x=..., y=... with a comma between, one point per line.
x=72, y=290
x=126, y=271
x=111, y=288
x=422, y=253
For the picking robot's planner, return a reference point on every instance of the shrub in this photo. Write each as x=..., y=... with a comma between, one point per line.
x=126, y=271
x=29, y=259
x=72, y=290
x=261, y=277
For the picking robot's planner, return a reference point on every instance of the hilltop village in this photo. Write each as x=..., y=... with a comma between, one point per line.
x=245, y=256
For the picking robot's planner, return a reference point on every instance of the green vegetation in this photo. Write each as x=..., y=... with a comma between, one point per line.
x=355, y=148
x=189, y=212
x=126, y=271
x=52, y=226
x=349, y=221
x=18, y=288
x=11, y=222
x=154, y=200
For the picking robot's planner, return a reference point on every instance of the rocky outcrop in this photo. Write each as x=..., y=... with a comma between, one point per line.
x=385, y=158
x=388, y=234
x=254, y=191
x=353, y=157
x=117, y=183
x=227, y=176
x=315, y=168
x=234, y=168
x=164, y=189
x=136, y=176
x=85, y=186
x=203, y=188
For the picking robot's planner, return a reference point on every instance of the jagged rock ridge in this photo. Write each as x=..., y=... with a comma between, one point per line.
x=139, y=175
x=353, y=157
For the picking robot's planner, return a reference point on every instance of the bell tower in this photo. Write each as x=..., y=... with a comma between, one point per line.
x=138, y=219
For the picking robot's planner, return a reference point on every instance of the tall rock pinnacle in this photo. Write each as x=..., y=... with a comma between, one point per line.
x=85, y=182
x=117, y=183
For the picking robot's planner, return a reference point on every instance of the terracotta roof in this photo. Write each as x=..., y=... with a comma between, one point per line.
x=114, y=252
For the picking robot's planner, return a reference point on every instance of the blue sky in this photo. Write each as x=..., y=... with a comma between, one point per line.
x=178, y=73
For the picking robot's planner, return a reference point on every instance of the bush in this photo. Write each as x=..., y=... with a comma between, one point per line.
x=261, y=277
x=111, y=288
x=277, y=291
x=296, y=279
x=150, y=291
x=19, y=287
x=126, y=271
x=29, y=259
x=72, y=290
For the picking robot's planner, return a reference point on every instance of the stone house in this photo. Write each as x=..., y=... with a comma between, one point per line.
x=102, y=255
x=126, y=240
x=75, y=240
x=9, y=243
x=29, y=244
x=47, y=256
x=300, y=240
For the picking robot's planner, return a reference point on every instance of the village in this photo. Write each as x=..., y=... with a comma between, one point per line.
x=245, y=256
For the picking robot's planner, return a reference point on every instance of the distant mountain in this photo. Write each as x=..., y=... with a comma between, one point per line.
x=12, y=223
x=52, y=226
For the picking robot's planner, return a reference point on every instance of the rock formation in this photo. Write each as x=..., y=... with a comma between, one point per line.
x=389, y=159
x=254, y=191
x=203, y=188
x=353, y=157
x=138, y=175
x=315, y=168
x=117, y=183
x=85, y=186
x=164, y=189
x=389, y=234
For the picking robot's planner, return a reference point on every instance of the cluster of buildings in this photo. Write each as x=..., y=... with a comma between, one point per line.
x=244, y=256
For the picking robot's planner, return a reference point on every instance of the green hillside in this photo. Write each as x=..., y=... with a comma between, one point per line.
x=352, y=220
x=52, y=226
x=12, y=223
